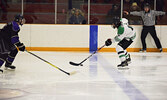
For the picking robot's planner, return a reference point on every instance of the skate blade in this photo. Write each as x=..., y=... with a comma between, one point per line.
x=123, y=68
x=129, y=62
x=9, y=69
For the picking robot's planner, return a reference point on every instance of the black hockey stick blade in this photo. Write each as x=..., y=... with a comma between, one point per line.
x=80, y=64
x=75, y=64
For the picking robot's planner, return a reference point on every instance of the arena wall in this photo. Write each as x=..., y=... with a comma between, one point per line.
x=76, y=37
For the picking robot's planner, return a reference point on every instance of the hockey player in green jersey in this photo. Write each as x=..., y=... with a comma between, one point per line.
x=124, y=37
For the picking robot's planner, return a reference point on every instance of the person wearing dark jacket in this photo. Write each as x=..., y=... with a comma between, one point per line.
x=77, y=18
x=148, y=16
x=112, y=13
x=9, y=42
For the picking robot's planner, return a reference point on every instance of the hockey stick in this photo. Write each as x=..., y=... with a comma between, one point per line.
x=77, y=64
x=51, y=64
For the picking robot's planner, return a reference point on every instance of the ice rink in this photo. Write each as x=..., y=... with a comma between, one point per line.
x=98, y=79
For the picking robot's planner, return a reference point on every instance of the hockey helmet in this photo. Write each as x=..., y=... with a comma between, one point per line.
x=20, y=19
x=124, y=21
x=147, y=5
x=116, y=22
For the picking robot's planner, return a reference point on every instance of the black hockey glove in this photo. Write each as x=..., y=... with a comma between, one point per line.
x=108, y=42
x=21, y=46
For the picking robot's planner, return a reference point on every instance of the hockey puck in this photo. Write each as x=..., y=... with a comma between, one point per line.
x=81, y=64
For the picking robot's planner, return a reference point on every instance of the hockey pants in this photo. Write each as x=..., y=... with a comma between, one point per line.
x=121, y=49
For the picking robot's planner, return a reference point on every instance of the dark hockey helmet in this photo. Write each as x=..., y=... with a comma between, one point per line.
x=20, y=19
x=146, y=5
x=116, y=22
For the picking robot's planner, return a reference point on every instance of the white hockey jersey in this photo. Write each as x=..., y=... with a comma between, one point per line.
x=124, y=31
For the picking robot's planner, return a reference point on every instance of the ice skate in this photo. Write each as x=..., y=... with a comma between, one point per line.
x=128, y=59
x=142, y=50
x=9, y=67
x=160, y=50
x=123, y=64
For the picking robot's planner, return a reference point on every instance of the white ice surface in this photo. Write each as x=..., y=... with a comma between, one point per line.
x=98, y=79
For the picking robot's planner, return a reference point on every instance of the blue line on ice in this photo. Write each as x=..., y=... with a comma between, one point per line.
x=129, y=89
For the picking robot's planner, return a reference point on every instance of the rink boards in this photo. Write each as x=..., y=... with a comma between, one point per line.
x=52, y=37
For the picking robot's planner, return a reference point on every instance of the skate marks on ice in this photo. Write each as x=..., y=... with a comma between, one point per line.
x=10, y=93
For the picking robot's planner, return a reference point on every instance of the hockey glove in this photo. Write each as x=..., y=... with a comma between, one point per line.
x=108, y=42
x=21, y=46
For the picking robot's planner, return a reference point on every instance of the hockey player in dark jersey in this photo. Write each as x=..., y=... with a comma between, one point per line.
x=9, y=42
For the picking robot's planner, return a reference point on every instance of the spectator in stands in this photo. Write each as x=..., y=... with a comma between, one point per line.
x=134, y=7
x=113, y=12
x=148, y=17
x=134, y=20
x=4, y=5
x=77, y=17
x=72, y=12
x=127, y=4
